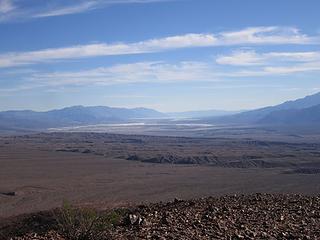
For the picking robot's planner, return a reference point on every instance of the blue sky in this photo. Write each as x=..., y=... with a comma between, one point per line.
x=170, y=55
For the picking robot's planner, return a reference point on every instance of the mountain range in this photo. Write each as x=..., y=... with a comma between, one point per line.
x=304, y=111
x=72, y=116
x=299, y=112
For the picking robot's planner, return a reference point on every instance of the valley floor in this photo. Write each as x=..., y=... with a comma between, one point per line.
x=39, y=172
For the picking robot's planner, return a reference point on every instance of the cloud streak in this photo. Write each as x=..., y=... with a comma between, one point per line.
x=162, y=72
x=6, y=6
x=251, y=58
x=88, y=6
x=17, y=10
x=140, y=72
x=73, y=9
x=253, y=64
x=244, y=37
x=287, y=63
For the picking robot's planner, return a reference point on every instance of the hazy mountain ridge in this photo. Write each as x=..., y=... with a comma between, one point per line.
x=300, y=111
x=304, y=111
x=310, y=116
x=76, y=115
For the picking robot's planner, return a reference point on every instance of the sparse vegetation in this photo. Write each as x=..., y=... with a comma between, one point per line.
x=85, y=223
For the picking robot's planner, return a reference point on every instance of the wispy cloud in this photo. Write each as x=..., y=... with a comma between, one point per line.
x=163, y=72
x=298, y=68
x=263, y=35
x=6, y=6
x=255, y=64
x=66, y=10
x=129, y=96
x=252, y=58
x=248, y=36
x=103, y=49
x=84, y=6
x=141, y=72
x=17, y=10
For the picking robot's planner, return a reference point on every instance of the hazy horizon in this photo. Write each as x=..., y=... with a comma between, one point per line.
x=168, y=112
x=62, y=107
x=190, y=110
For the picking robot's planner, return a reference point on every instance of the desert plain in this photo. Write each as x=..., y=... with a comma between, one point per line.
x=105, y=170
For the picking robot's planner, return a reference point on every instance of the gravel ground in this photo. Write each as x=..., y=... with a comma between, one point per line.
x=259, y=216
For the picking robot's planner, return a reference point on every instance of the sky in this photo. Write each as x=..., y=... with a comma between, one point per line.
x=169, y=55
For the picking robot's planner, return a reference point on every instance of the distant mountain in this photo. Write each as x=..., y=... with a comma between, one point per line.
x=298, y=117
x=72, y=116
x=261, y=115
x=304, y=111
x=201, y=114
x=301, y=103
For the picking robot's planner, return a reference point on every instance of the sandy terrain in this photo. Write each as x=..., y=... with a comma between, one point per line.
x=36, y=175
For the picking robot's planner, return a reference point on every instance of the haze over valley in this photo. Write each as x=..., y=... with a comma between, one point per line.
x=298, y=116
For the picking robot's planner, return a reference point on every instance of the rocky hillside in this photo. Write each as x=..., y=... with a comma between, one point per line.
x=259, y=216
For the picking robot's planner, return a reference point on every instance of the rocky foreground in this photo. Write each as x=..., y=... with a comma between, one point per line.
x=259, y=216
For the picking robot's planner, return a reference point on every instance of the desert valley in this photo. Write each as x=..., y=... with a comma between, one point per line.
x=156, y=160
x=159, y=119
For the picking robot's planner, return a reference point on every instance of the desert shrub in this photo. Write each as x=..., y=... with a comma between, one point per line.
x=85, y=223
